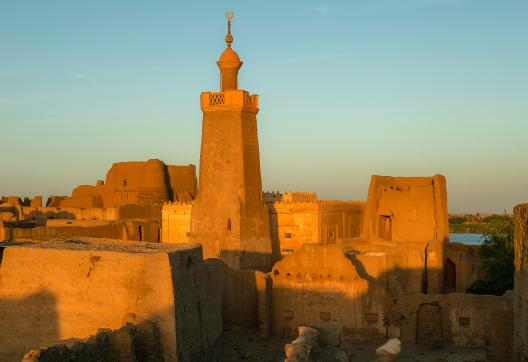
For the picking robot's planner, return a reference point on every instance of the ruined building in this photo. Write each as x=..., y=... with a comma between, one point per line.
x=224, y=253
x=127, y=206
x=137, y=183
x=295, y=218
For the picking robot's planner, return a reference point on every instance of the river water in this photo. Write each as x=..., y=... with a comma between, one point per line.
x=472, y=239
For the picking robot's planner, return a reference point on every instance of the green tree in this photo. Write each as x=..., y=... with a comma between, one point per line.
x=496, y=253
x=457, y=220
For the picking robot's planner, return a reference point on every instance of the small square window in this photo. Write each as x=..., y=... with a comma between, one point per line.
x=288, y=235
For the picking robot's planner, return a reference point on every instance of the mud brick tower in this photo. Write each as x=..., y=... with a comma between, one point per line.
x=229, y=217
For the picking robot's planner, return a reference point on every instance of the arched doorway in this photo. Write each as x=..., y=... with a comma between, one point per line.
x=429, y=324
x=449, y=276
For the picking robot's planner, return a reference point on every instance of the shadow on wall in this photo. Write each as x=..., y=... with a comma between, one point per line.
x=40, y=325
x=197, y=311
x=40, y=217
x=33, y=325
x=135, y=341
x=352, y=301
x=275, y=240
x=13, y=210
x=73, y=303
x=243, y=258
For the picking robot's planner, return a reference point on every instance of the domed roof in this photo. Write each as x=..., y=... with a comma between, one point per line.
x=229, y=58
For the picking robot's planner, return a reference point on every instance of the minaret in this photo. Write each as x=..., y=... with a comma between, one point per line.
x=229, y=217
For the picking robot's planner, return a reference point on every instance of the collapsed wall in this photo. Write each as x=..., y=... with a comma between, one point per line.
x=56, y=291
x=320, y=286
x=463, y=320
x=355, y=296
x=129, y=343
x=346, y=290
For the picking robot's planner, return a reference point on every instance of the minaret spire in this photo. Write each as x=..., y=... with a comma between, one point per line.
x=229, y=37
x=229, y=62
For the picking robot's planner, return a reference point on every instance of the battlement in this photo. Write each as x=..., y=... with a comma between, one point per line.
x=177, y=203
x=278, y=201
x=341, y=203
x=306, y=196
x=290, y=197
x=271, y=196
x=234, y=98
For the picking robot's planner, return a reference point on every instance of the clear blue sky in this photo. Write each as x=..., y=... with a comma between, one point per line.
x=347, y=89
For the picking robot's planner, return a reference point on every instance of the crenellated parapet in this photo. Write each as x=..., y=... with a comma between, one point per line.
x=339, y=204
x=290, y=197
x=343, y=202
x=177, y=203
x=298, y=197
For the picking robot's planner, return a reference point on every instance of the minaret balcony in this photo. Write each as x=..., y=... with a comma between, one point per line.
x=238, y=99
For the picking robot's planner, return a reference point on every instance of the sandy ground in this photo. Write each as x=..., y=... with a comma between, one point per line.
x=241, y=344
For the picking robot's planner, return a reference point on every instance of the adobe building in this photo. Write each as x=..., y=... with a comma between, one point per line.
x=176, y=222
x=53, y=291
x=126, y=207
x=137, y=183
x=407, y=209
x=125, y=222
x=388, y=283
x=295, y=218
x=229, y=217
x=410, y=212
x=346, y=288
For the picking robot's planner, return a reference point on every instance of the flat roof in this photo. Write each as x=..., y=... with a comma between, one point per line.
x=101, y=244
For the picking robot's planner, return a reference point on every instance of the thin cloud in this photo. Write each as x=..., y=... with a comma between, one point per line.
x=323, y=9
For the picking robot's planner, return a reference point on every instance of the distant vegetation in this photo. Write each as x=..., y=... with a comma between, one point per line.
x=471, y=223
x=496, y=253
